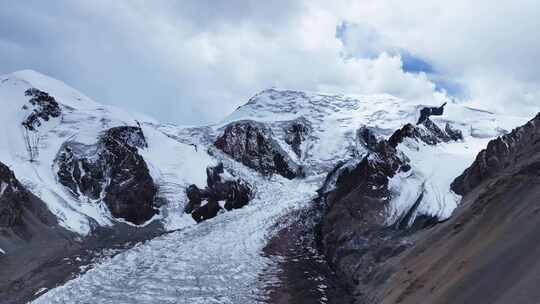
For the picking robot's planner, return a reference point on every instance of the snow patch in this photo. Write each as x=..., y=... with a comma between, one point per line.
x=3, y=187
x=433, y=170
x=174, y=166
x=216, y=261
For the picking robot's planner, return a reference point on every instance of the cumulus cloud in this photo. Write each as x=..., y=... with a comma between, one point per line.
x=487, y=48
x=195, y=61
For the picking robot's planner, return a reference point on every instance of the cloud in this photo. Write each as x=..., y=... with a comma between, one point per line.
x=362, y=40
x=486, y=49
x=195, y=61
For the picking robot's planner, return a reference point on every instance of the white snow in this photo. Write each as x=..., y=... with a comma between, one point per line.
x=334, y=118
x=41, y=290
x=218, y=261
x=3, y=187
x=172, y=163
x=72, y=214
x=433, y=170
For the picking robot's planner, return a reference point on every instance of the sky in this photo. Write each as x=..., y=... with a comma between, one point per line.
x=195, y=61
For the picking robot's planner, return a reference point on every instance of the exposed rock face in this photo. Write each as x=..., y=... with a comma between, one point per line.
x=80, y=173
x=354, y=229
x=12, y=194
x=44, y=107
x=41, y=108
x=500, y=153
x=427, y=132
x=295, y=135
x=407, y=131
x=37, y=252
x=355, y=234
x=453, y=133
x=488, y=251
x=367, y=138
x=205, y=203
x=112, y=171
x=30, y=238
x=426, y=112
x=432, y=134
x=251, y=143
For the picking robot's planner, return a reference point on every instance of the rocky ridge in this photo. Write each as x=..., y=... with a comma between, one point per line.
x=490, y=241
x=12, y=194
x=275, y=150
x=219, y=194
x=356, y=234
x=501, y=153
x=253, y=144
x=113, y=171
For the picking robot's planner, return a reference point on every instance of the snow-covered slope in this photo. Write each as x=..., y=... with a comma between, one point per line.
x=334, y=120
x=31, y=154
x=219, y=260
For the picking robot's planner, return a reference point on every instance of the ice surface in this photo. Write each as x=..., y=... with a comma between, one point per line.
x=173, y=164
x=219, y=260
x=433, y=170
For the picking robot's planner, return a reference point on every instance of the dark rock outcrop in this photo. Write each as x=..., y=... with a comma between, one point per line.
x=407, y=131
x=367, y=138
x=252, y=144
x=206, y=211
x=426, y=112
x=44, y=107
x=487, y=252
x=12, y=195
x=500, y=153
x=432, y=134
x=112, y=171
x=354, y=232
x=39, y=253
x=356, y=236
x=30, y=238
x=427, y=132
x=295, y=134
x=453, y=133
x=204, y=203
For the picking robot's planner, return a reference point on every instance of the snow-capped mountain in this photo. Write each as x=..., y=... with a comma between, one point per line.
x=33, y=153
x=97, y=166
x=487, y=251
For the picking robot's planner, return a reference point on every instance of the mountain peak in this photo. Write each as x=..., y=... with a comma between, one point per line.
x=65, y=94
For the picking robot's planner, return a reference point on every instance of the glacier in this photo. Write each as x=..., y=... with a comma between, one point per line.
x=221, y=260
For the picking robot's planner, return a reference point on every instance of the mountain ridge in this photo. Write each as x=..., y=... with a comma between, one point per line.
x=315, y=132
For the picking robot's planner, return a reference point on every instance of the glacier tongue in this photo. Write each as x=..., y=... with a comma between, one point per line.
x=217, y=261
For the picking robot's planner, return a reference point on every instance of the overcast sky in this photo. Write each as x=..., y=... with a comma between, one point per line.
x=196, y=61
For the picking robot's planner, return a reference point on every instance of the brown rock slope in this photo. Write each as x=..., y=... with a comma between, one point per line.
x=489, y=251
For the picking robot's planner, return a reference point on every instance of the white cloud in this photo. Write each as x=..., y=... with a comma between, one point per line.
x=489, y=47
x=195, y=61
